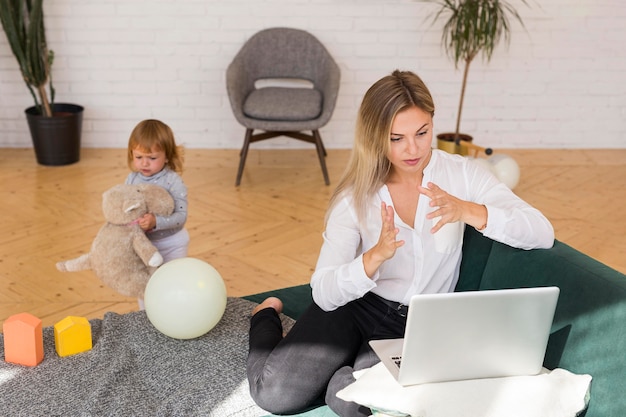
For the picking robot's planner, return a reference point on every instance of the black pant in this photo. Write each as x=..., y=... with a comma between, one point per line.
x=318, y=355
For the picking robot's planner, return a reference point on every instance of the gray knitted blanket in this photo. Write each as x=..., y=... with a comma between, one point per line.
x=134, y=370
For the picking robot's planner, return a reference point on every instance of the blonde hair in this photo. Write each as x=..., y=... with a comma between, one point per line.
x=151, y=135
x=368, y=167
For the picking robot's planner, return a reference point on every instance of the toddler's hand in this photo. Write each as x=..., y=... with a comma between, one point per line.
x=147, y=222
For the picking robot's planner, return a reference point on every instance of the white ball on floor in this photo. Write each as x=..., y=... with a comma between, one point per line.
x=483, y=162
x=506, y=169
x=185, y=298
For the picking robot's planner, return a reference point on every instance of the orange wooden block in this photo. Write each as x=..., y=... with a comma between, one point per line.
x=72, y=335
x=23, y=339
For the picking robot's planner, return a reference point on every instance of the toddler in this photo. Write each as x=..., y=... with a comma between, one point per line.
x=155, y=158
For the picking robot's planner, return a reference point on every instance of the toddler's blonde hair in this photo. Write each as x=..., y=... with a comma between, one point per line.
x=154, y=135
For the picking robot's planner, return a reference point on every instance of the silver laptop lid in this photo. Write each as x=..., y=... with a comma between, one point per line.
x=477, y=334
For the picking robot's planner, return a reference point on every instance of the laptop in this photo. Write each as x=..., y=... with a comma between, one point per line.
x=471, y=335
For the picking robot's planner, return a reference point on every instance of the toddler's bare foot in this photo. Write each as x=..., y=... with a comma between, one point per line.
x=272, y=302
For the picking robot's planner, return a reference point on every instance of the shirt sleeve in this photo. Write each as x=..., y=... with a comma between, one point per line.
x=510, y=220
x=178, y=218
x=339, y=275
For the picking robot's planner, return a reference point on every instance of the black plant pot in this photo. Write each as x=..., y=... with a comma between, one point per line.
x=56, y=139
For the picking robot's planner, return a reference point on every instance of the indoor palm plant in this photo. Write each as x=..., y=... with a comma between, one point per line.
x=471, y=27
x=55, y=127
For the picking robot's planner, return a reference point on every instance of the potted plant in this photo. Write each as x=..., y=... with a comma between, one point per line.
x=471, y=27
x=55, y=127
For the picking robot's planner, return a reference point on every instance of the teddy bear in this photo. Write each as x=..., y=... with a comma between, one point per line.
x=121, y=255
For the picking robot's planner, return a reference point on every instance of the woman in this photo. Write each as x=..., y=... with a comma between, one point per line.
x=394, y=228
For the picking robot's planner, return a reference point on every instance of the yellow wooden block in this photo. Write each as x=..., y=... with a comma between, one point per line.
x=72, y=335
x=23, y=339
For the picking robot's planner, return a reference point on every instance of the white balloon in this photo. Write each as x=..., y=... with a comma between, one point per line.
x=483, y=162
x=506, y=169
x=185, y=298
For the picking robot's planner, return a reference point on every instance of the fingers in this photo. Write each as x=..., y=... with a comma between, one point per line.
x=430, y=190
x=387, y=241
x=387, y=214
x=438, y=225
x=147, y=222
x=438, y=197
x=449, y=209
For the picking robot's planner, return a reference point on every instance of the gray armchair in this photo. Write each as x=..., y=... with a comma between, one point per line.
x=278, y=110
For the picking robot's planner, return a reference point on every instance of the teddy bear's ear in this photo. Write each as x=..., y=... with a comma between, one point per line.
x=119, y=204
x=110, y=197
x=132, y=207
x=158, y=200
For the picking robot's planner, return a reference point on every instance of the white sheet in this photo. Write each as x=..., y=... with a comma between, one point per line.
x=557, y=393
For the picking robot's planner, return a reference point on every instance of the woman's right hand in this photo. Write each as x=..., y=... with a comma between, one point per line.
x=387, y=243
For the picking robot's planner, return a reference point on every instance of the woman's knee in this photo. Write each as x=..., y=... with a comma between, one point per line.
x=342, y=378
x=280, y=398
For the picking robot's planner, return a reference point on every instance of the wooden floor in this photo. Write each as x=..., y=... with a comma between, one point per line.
x=263, y=235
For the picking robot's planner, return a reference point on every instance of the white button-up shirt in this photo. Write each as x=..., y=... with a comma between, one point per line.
x=426, y=263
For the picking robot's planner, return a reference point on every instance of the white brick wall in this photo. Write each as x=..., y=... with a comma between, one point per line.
x=562, y=83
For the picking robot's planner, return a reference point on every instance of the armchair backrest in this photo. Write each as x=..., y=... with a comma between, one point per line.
x=283, y=53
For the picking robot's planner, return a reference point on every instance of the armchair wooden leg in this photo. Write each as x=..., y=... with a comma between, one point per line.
x=242, y=156
x=321, y=152
x=323, y=147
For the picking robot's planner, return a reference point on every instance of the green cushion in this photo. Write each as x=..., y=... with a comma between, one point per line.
x=589, y=330
x=295, y=299
x=476, y=250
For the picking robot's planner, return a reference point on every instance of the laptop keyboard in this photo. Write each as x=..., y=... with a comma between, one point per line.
x=397, y=360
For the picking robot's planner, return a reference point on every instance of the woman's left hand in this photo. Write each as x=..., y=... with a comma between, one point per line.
x=452, y=209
